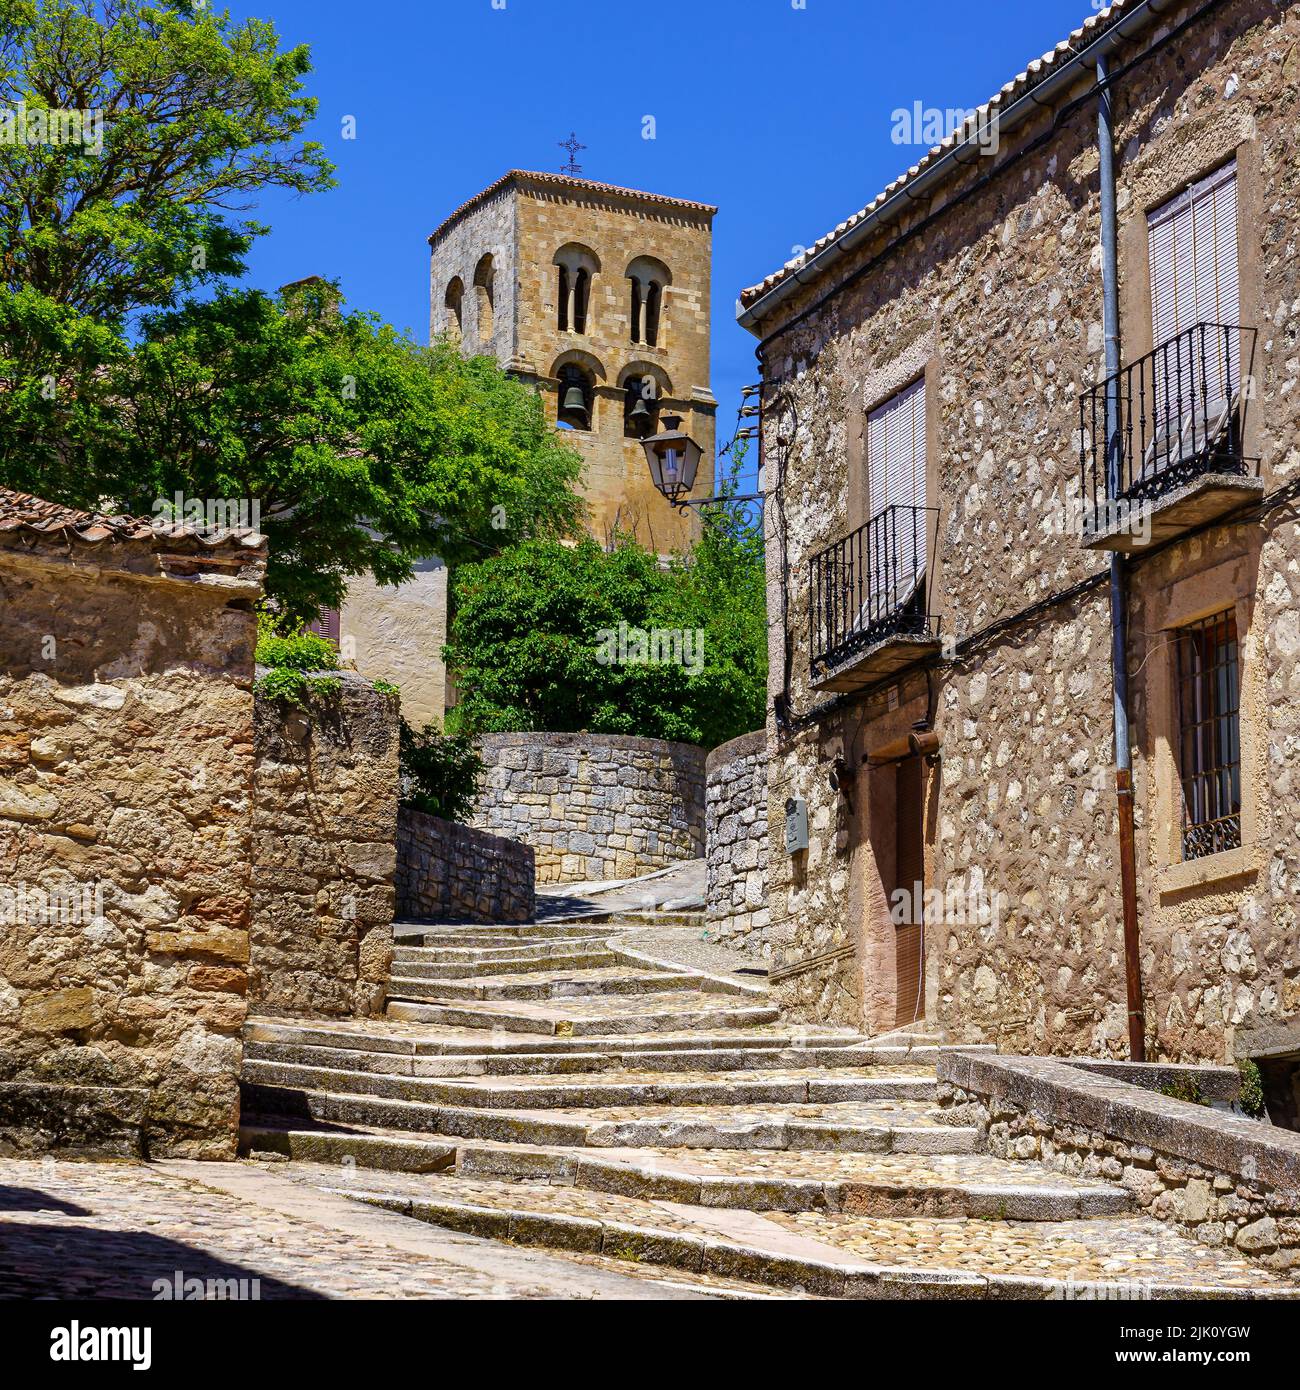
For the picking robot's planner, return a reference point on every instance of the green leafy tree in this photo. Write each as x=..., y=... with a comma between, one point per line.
x=363, y=451
x=440, y=773
x=535, y=629
x=138, y=133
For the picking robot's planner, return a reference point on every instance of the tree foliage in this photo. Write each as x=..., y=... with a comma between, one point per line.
x=131, y=369
x=440, y=773
x=137, y=135
x=364, y=451
x=531, y=638
x=196, y=114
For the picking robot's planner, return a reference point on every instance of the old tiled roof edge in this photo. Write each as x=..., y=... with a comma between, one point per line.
x=564, y=181
x=1037, y=71
x=20, y=511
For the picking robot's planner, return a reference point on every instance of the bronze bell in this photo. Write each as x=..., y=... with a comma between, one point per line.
x=640, y=414
x=575, y=403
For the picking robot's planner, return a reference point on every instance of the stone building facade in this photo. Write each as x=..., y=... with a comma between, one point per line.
x=569, y=282
x=941, y=352
x=397, y=634
x=126, y=780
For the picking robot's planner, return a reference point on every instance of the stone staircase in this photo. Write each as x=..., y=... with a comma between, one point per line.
x=560, y=1086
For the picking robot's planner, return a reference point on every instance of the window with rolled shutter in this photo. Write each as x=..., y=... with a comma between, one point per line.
x=327, y=625
x=896, y=494
x=896, y=451
x=1194, y=280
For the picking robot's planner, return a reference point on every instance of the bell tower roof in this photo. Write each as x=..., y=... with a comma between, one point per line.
x=525, y=178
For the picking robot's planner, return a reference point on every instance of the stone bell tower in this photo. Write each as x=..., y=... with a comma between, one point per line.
x=599, y=296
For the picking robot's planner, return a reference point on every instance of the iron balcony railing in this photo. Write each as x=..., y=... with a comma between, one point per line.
x=872, y=585
x=1178, y=415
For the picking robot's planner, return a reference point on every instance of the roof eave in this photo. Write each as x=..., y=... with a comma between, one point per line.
x=516, y=176
x=1022, y=108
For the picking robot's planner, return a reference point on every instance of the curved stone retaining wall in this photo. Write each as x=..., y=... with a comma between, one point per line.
x=594, y=806
x=736, y=836
x=453, y=873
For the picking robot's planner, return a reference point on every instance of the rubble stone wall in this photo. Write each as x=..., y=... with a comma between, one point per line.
x=324, y=854
x=736, y=835
x=126, y=778
x=1221, y=1178
x=594, y=806
x=454, y=873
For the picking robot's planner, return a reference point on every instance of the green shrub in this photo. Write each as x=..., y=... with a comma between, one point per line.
x=1186, y=1088
x=296, y=649
x=295, y=657
x=1251, y=1097
x=543, y=636
x=440, y=773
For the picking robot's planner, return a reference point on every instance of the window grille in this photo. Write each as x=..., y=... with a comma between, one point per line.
x=1209, y=735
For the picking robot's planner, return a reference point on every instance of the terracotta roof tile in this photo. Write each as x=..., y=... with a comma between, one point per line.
x=20, y=511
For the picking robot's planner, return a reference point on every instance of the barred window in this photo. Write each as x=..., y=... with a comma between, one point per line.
x=1209, y=735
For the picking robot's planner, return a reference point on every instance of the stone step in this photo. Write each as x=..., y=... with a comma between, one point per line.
x=894, y=1185
x=721, y=1014
x=395, y=1153
x=862, y=1128
x=610, y=1058
x=549, y=1092
x=461, y=948
x=832, y=1255
x=441, y=934
x=693, y=920
x=492, y=966
x=573, y=984
x=897, y=1185
x=916, y=1187
x=432, y=1041
x=469, y=955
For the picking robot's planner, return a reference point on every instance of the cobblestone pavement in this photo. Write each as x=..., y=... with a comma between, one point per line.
x=683, y=1128
x=120, y=1230
x=1125, y=1249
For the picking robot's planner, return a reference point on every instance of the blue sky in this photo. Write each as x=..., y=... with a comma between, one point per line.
x=778, y=111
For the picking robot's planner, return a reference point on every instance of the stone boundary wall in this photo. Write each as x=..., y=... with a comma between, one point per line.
x=454, y=873
x=736, y=844
x=594, y=806
x=324, y=854
x=1217, y=1085
x=1219, y=1177
x=126, y=772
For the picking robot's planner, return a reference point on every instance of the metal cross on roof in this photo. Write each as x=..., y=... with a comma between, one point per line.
x=573, y=145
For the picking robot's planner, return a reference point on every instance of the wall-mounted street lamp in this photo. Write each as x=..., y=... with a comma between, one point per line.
x=674, y=459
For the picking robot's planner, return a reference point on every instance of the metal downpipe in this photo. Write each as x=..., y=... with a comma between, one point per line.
x=1118, y=573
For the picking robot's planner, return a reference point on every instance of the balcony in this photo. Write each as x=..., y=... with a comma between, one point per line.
x=870, y=600
x=1176, y=458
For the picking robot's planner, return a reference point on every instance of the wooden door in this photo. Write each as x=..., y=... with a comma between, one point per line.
x=909, y=934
